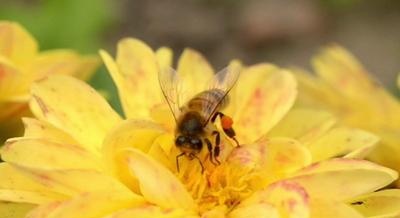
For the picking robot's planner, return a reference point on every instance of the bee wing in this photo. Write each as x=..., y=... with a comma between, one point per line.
x=171, y=89
x=224, y=80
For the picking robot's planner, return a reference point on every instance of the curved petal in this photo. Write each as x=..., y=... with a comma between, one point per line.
x=13, y=83
x=342, y=179
x=384, y=203
x=273, y=158
x=45, y=154
x=305, y=125
x=342, y=141
x=72, y=182
x=16, y=43
x=150, y=211
x=40, y=129
x=157, y=184
x=264, y=94
x=86, y=205
x=289, y=198
x=14, y=210
x=75, y=107
x=17, y=187
x=128, y=134
x=195, y=71
x=63, y=61
x=327, y=208
x=135, y=73
x=164, y=57
x=259, y=210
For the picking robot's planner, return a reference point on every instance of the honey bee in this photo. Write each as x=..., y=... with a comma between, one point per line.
x=195, y=115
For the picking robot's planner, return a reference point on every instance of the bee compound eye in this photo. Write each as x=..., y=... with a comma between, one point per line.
x=196, y=143
x=180, y=140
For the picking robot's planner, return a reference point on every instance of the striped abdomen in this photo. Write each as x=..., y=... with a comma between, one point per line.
x=208, y=102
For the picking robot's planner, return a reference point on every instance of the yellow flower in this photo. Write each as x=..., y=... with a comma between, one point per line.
x=21, y=64
x=344, y=87
x=79, y=158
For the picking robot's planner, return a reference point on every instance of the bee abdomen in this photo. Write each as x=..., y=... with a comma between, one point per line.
x=208, y=99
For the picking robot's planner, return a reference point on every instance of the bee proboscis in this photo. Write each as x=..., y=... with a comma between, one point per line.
x=195, y=115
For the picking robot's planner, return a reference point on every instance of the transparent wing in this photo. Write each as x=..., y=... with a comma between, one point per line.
x=171, y=89
x=220, y=85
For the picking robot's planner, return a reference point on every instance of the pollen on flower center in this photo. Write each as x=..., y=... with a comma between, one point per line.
x=226, y=184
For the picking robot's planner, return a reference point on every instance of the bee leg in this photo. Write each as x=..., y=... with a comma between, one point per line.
x=201, y=164
x=216, y=148
x=209, y=147
x=177, y=160
x=226, y=123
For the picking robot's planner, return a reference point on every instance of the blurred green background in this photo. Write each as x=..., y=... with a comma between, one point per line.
x=285, y=32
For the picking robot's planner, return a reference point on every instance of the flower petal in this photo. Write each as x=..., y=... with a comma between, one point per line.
x=302, y=124
x=157, y=184
x=75, y=107
x=260, y=210
x=149, y=211
x=86, y=205
x=264, y=94
x=275, y=158
x=17, y=187
x=383, y=203
x=72, y=182
x=14, y=210
x=342, y=141
x=135, y=73
x=13, y=83
x=45, y=154
x=195, y=71
x=327, y=208
x=289, y=198
x=16, y=43
x=164, y=57
x=128, y=134
x=43, y=130
x=65, y=62
x=342, y=179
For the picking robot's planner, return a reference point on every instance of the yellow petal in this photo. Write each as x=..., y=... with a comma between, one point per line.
x=16, y=43
x=327, y=208
x=41, y=129
x=306, y=125
x=289, y=198
x=264, y=94
x=341, y=70
x=383, y=203
x=260, y=210
x=128, y=134
x=170, y=193
x=14, y=210
x=17, y=187
x=45, y=154
x=150, y=211
x=86, y=205
x=342, y=141
x=75, y=107
x=194, y=70
x=65, y=62
x=341, y=179
x=72, y=182
x=13, y=83
x=164, y=57
x=135, y=73
x=275, y=158
x=216, y=212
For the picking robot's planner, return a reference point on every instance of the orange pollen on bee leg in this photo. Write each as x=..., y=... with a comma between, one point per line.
x=226, y=122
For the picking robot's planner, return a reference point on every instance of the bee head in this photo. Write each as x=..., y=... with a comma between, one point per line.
x=191, y=142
